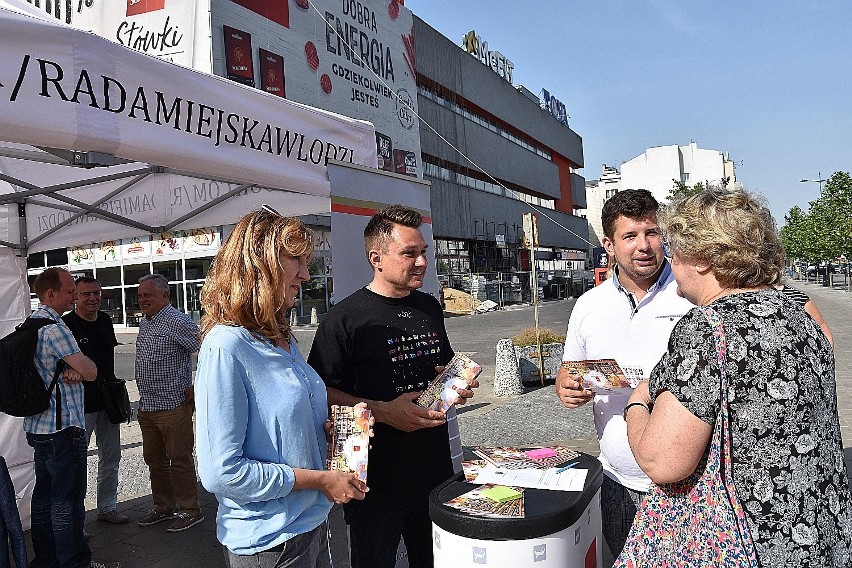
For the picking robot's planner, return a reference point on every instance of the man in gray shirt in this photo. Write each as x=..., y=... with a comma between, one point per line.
x=167, y=339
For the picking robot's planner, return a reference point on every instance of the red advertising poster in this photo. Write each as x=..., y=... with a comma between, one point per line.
x=271, y=73
x=238, y=56
x=405, y=162
x=136, y=7
x=276, y=10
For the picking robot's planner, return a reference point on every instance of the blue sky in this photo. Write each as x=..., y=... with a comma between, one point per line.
x=768, y=81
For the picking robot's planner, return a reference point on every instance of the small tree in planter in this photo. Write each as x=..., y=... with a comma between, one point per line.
x=530, y=346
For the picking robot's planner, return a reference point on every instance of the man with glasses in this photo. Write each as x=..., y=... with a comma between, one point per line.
x=94, y=333
x=629, y=318
x=57, y=435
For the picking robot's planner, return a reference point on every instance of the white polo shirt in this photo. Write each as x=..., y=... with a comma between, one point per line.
x=607, y=323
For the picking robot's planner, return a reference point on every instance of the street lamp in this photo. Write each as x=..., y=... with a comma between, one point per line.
x=819, y=180
x=825, y=275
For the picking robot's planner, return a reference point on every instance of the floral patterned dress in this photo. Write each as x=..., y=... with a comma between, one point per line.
x=787, y=452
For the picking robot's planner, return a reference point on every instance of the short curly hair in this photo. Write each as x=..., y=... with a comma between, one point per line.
x=733, y=231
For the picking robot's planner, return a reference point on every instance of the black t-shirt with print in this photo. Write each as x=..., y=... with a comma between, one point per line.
x=378, y=348
x=97, y=342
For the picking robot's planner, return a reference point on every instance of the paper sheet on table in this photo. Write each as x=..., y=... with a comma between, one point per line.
x=569, y=480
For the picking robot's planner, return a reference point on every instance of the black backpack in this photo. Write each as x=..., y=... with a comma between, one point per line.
x=22, y=390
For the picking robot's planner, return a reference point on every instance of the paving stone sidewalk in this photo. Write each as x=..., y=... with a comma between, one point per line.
x=531, y=418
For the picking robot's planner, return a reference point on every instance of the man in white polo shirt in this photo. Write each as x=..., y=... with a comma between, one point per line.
x=627, y=318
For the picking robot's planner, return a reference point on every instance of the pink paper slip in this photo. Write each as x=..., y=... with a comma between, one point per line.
x=540, y=453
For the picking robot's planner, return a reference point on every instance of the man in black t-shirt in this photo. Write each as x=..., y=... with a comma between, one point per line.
x=381, y=345
x=94, y=333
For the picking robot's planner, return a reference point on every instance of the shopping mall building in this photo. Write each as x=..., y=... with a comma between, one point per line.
x=492, y=149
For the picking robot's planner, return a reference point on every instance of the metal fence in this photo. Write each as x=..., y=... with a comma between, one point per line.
x=467, y=291
x=838, y=280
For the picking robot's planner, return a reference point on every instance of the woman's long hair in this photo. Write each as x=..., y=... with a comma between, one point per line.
x=245, y=285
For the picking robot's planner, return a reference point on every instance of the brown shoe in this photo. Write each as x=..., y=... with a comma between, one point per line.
x=155, y=517
x=184, y=521
x=113, y=517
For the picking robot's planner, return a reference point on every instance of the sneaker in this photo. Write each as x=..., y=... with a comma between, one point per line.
x=155, y=517
x=113, y=517
x=184, y=521
x=95, y=564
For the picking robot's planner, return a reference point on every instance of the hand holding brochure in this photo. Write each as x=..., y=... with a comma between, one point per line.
x=441, y=393
x=602, y=376
x=350, y=439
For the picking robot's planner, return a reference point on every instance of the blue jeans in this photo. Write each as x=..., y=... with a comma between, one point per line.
x=58, y=509
x=11, y=530
x=108, y=439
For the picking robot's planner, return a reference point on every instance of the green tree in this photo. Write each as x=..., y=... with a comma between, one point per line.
x=792, y=233
x=682, y=189
x=824, y=233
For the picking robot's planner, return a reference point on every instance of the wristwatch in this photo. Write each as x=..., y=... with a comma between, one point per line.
x=632, y=404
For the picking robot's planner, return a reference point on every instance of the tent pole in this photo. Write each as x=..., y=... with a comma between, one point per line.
x=22, y=228
x=92, y=208
x=36, y=190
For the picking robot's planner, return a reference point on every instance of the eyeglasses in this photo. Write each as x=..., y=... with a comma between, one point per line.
x=269, y=209
x=87, y=294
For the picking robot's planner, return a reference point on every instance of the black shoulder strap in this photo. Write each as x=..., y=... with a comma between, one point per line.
x=39, y=323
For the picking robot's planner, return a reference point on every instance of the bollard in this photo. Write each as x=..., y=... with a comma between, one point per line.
x=314, y=316
x=294, y=317
x=507, y=380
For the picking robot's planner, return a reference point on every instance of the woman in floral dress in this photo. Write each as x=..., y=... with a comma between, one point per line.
x=786, y=450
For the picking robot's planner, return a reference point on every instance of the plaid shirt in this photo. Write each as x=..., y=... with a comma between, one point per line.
x=55, y=342
x=164, y=349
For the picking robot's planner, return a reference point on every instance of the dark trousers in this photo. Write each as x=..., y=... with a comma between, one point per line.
x=374, y=534
x=618, y=508
x=58, y=509
x=10, y=524
x=308, y=550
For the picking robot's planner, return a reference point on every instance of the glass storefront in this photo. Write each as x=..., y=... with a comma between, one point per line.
x=184, y=258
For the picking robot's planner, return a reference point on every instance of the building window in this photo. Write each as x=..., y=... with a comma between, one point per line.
x=443, y=172
x=684, y=177
x=437, y=98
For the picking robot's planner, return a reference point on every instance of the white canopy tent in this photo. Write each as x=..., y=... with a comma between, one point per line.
x=99, y=142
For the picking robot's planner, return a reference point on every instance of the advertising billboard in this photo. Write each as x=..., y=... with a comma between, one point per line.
x=162, y=28
x=355, y=58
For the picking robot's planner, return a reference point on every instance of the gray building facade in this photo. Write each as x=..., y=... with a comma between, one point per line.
x=485, y=124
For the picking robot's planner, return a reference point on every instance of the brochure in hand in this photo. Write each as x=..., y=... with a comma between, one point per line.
x=603, y=376
x=441, y=393
x=476, y=502
x=350, y=439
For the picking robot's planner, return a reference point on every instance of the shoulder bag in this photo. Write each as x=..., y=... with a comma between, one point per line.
x=116, y=400
x=699, y=521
